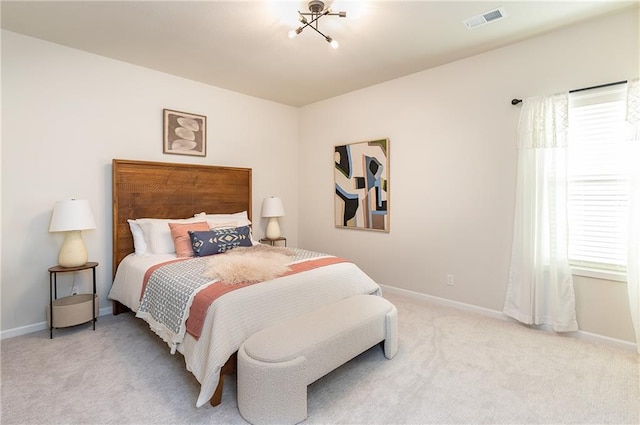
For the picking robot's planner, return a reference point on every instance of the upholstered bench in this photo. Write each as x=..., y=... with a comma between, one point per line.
x=276, y=364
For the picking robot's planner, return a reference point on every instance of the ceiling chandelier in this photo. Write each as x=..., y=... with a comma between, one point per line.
x=316, y=11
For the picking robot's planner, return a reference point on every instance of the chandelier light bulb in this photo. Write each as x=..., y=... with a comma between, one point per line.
x=294, y=33
x=333, y=43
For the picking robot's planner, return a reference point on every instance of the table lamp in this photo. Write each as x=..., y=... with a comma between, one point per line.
x=72, y=216
x=272, y=209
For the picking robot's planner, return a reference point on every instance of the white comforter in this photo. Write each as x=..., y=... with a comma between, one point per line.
x=235, y=316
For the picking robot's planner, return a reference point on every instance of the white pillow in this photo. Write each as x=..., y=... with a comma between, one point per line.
x=241, y=218
x=157, y=233
x=139, y=244
x=241, y=214
x=215, y=224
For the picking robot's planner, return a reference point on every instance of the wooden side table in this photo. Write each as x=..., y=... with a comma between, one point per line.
x=272, y=242
x=74, y=309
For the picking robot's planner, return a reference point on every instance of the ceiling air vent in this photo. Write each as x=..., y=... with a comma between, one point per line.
x=485, y=18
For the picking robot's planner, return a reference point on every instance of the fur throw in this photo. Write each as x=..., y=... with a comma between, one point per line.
x=249, y=264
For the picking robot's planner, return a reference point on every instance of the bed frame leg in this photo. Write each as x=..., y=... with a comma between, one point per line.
x=217, y=396
x=227, y=368
x=119, y=308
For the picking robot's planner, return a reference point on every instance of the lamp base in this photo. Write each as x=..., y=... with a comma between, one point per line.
x=273, y=229
x=73, y=252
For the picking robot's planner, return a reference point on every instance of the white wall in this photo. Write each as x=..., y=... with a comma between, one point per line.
x=66, y=114
x=453, y=166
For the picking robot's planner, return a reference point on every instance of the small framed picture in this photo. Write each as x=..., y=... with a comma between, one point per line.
x=184, y=133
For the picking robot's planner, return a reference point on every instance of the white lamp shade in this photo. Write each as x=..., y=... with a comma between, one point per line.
x=72, y=214
x=272, y=207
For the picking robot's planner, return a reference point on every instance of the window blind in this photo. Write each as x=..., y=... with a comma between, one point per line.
x=599, y=185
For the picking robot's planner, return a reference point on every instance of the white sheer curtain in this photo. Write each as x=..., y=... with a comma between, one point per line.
x=633, y=261
x=540, y=289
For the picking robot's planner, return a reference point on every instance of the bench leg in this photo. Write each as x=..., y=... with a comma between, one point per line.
x=391, y=333
x=271, y=393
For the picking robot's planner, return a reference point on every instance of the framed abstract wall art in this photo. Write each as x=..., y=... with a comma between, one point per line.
x=184, y=133
x=362, y=185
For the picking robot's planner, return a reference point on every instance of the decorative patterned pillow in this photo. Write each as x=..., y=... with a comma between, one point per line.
x=181, y=238
x=217, y=241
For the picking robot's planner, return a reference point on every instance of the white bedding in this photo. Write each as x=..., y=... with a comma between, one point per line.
x=238, y=314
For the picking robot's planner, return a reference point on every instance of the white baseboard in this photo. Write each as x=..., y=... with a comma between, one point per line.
x=587, y=336
x=23, y=330
x=619, y=343
x=487, y=312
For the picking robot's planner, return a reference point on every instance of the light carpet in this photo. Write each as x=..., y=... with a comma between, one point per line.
x=452, y=367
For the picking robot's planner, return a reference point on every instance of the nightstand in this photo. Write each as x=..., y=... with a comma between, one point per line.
x=74, y=309
x=272, y=242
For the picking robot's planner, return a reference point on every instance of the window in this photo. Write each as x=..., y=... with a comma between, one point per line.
x=599, y=181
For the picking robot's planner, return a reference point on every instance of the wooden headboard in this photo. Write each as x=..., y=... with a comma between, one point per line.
x=144, y=189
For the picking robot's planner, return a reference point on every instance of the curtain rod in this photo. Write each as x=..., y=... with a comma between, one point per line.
x=516, y=101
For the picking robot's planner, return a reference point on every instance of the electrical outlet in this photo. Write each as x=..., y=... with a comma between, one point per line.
x=449, y=279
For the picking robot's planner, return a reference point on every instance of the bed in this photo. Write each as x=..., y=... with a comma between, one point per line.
x=156, y=190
